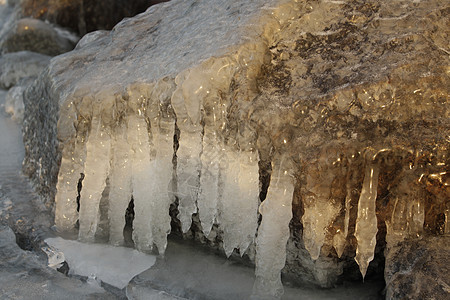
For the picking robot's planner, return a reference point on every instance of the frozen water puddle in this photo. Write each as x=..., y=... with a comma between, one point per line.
x=115, y=266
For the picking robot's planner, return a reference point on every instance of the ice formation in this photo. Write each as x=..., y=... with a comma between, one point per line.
x=238, y=215
x=340, y=238
x=408, y=214
x=198, y=131
x=120, y=185
x=366, y=222
x=96, y=170
x=319, y=214
x=273, y=232
x=113, y=265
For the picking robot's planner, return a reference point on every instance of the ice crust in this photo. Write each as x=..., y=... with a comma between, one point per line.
x=113, y=265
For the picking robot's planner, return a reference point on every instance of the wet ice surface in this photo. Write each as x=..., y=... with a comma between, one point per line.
x=192, y=272
x=113, y=265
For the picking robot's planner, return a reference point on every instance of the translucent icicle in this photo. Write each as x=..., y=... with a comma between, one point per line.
x=340, y=237
x=239, y=202
x=72, y=165
x=120, y=185
x=416, y=218
x=161, y=169
x=447, y=221
x=189, y=150
x=366, y=222
x=319, y=214
x=96, y=170
x=273, y=232
x=209, y=180
x=188, y=175
x=397, y=226
x=141, y=177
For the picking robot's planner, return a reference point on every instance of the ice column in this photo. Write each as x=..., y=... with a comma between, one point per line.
x=161, y=168
x=186, y=105
x=72, y=162
x=120, y=184
x=366, y=222
x=319, y=214
x=416, y=217
x=340, y=237
x=214, y=77
x=238, y=205
x=273, y=232
x=138, y=138
x=209, y=181
x=96, y=170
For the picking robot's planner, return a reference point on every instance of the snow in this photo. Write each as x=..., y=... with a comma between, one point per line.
x=113, y=265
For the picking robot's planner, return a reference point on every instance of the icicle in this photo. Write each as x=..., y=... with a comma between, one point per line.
x=188, y=173
x=416, y=218
x=396, y=227
x=319, y=214
x=340, y=237
x=188, y=154
x=238, y=216
x=96, y=170
x=120, y=185
x=72, y=163
x=273, y=232
x=209, y=180
x=366, y=222
x=162, y=172
x=141, y=177
x=447, y=221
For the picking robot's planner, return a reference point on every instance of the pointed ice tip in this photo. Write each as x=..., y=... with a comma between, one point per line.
x=362, y=267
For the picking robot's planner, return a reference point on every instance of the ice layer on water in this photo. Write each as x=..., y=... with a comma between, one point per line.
x=113, y=265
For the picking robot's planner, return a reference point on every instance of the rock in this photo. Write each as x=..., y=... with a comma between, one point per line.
x=18, y=65
x=14, y=103
x=84, y=16
x=352, y=97
x=415, y=269
x=36, y=36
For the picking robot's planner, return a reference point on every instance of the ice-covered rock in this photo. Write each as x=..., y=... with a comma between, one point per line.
x=234, y=85
x=415, y=269
x=34, y=35
x=19, y=65
x=14, y=103
x=83, y=16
